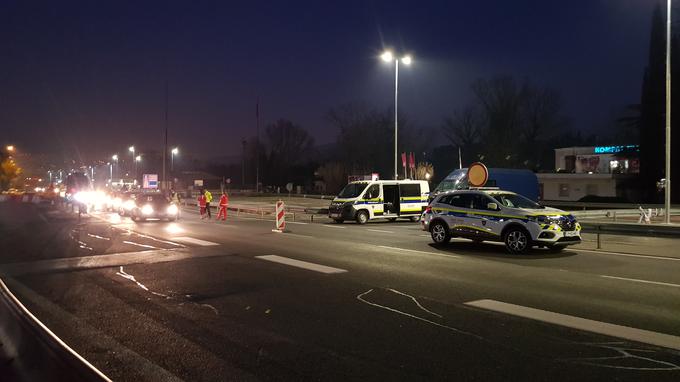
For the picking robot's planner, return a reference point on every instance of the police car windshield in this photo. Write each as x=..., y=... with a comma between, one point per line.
x=515, y=201
x=352, y=190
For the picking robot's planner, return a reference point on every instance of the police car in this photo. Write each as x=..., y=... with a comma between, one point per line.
x=503, y=216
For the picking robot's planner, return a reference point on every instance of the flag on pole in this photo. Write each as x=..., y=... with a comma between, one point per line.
x=403, y=160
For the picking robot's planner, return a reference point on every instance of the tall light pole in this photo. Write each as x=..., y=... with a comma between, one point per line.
x=114, y=158
x=406, y=60
x=668, y=114
x=138, y=159
x=174, y=152
x=132, y=153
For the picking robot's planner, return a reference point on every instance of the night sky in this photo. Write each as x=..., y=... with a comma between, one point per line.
x=89, y=76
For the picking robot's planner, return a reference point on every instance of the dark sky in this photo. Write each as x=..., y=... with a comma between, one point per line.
x=90, y=75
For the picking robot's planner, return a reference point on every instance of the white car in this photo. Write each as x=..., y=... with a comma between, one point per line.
x=503, y=216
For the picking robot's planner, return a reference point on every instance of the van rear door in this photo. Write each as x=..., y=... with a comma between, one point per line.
x=410, y=199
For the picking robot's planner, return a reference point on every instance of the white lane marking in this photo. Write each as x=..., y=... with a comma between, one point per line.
x=612, y=330
x=361, y=298
x=424, y=235
x=98, y=237
x=301, y=264
x=288, y=234
x=132, y=278
x=191, y=240
x=332, y=226
x=296, y=222
x=626, y=254
x=379, y=230
x=414, y=301
x=417, y=251
x=140, y=245
x=641, y=281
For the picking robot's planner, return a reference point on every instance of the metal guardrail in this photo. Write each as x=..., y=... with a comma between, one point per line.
x=35, y=352
x=630, y=229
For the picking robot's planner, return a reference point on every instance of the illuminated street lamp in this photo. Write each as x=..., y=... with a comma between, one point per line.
x=138, y=159
x=174, y=152
x=10, y=148
x=114, y=158
x=387, y=56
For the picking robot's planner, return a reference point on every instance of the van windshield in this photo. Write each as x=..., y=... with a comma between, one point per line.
x=352, y=190
x=515, y=201
x=453, y=183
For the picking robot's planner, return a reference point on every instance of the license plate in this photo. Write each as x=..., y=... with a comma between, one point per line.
x=335, y=215
x=570, y=233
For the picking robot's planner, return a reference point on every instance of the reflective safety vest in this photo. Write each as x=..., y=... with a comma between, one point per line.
x=208, y=196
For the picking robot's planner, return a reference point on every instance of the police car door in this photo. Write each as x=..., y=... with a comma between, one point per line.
x=460, y=217
x=486, y=222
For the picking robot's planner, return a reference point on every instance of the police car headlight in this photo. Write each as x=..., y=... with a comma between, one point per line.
x=128, y=205
x=172, y=209
x=147, y=209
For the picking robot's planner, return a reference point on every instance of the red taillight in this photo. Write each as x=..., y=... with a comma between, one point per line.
x=428, y=209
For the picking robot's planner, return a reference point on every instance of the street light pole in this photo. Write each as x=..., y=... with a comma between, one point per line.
x=668, y=114
x=406, y=60
x=396, y=123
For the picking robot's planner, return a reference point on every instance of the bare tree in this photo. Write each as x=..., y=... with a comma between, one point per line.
x=464, y=128
x=334, y=176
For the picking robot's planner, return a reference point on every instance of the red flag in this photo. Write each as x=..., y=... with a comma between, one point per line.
x=403, y=160
x=412, y=161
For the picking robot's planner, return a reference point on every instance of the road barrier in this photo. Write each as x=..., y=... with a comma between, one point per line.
x=280, y=213
x=32, y=351
x=631, y=229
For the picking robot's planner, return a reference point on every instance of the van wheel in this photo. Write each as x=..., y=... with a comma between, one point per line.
x=440, y=234
x=362, y=217
x=517, y=241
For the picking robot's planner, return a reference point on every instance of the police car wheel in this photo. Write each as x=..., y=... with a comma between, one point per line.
x=440, y=234
x=517, y=241
x=362, y=217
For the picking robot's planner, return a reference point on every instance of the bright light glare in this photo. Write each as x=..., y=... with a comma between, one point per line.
x=174, y=228
x=132, y=148
x=10, y=148
x=387, y=56
x=172, y=209
x=175, y=151
x=138, y=158
x=406, y=60
x=115, y=157
x=147, y=209
x=129, y=204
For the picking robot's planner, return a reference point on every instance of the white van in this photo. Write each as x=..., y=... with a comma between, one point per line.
x=380, y=199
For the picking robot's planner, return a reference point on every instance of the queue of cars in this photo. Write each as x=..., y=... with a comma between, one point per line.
x=479, y=214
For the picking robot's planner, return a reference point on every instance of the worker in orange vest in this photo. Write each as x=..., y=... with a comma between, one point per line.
x=201, y=204
x=224, y=204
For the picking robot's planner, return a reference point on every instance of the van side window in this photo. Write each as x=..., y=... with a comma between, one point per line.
x=410, y=189
x=372, y=192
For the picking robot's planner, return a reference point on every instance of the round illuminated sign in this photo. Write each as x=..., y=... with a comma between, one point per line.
x=477, y=175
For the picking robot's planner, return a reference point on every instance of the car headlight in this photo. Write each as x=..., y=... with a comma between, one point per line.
x=82, y=197
x=117, y=202
x=172, y=209
x=129, y=204
x=147, y=209
x=541, y=219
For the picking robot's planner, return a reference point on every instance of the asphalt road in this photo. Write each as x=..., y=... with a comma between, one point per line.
x=205, y=300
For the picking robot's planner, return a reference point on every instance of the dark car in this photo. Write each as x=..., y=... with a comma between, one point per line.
x=154, y=206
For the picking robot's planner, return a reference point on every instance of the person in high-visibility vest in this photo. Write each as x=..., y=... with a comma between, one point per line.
x=224, y=204
x=201, y=204
x=208, y=199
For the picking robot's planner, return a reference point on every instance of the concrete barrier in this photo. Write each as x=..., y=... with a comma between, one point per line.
x=32, y=351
